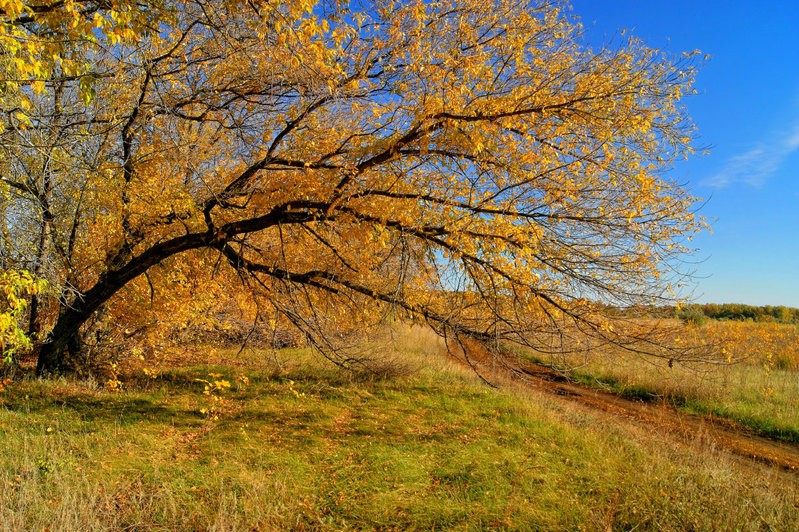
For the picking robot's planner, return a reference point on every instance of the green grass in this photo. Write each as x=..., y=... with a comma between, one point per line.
x=308, y=447
x=764, y=400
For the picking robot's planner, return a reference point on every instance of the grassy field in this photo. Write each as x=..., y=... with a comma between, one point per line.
x=285, y=441
x=759, y=390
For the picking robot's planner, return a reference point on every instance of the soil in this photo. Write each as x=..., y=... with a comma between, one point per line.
x=663, y=418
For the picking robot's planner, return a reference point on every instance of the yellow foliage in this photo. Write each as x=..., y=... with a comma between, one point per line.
x=468, y=164
x=15, y=288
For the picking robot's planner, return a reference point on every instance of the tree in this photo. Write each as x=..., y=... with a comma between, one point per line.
x=14, y=286
x=468, y=164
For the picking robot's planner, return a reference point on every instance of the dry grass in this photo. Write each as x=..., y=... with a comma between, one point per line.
x=295, y=443
x=754, y=381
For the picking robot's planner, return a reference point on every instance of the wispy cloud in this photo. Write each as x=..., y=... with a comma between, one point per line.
x=754, y=166
x=793, y=140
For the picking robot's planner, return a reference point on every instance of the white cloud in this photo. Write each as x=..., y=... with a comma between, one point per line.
x=793, y=141
x=755, y=166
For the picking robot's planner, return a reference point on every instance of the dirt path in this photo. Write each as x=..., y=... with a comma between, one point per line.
x=663, y=418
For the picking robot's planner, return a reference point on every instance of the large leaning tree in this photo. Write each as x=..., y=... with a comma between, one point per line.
x=469, y=164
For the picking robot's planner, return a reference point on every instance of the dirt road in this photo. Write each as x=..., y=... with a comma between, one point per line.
x=664, y=418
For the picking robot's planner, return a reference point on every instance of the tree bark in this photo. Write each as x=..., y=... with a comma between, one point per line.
x=48, y=218
x=34, y=323
x=52, y=358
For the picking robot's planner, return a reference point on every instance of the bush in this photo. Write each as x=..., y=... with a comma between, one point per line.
x=692, y=315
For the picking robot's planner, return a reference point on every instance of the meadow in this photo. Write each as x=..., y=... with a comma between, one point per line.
x=754, y=382
x=284, y=440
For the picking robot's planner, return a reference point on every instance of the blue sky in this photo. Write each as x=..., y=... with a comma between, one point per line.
x=747, y=111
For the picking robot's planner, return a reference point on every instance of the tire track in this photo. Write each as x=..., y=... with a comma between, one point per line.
x=718, y=432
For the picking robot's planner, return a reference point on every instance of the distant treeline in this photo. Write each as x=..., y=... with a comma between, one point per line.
x=738, y=312
x=699, y=313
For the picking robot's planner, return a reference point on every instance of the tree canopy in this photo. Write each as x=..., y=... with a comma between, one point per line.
x=473, y=165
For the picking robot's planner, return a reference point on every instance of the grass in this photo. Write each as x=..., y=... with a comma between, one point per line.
x=760, y=390
x=752, y=403
x=303, y=446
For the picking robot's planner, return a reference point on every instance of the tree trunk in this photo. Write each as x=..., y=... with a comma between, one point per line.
x=48, y=218
x=52, y=358
x=34, y=322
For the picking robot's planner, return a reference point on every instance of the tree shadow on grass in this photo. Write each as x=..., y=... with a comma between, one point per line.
x=173, y=397
x=100, y=409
